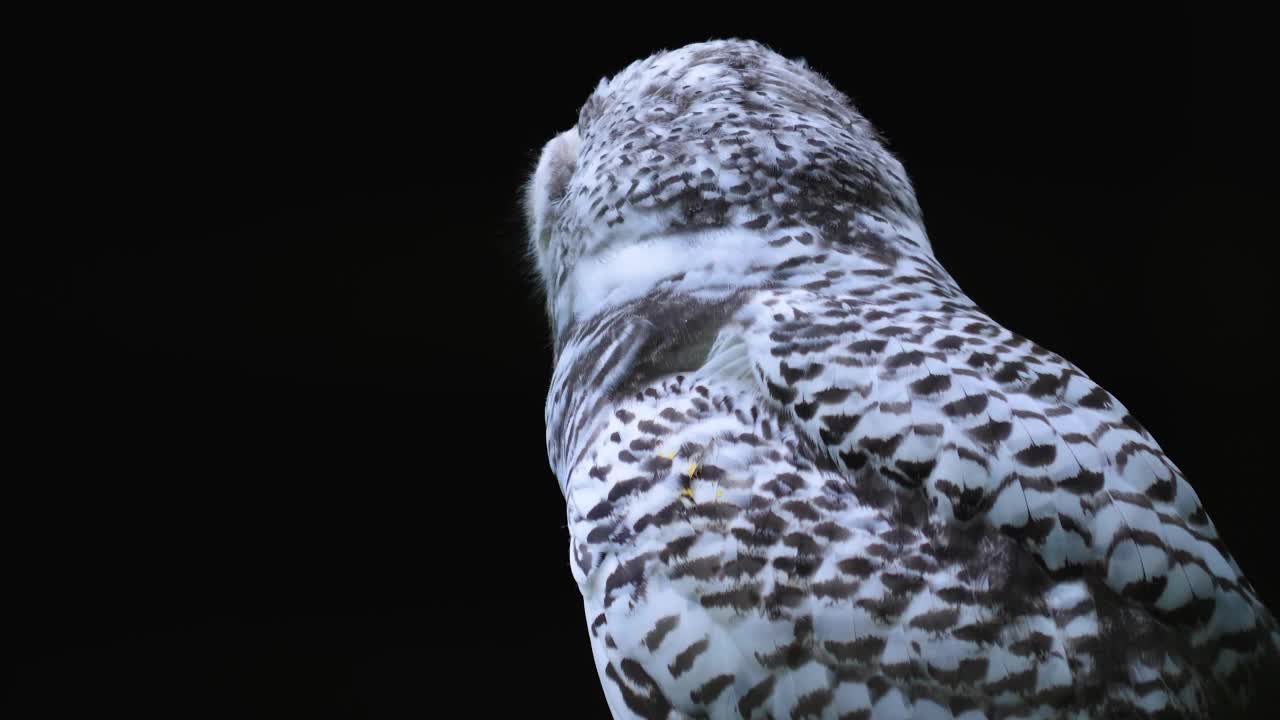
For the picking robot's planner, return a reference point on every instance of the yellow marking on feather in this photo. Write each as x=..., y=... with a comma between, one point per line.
x=687, y=492
x=719, y=493
x=693, y=468
x=668, y=455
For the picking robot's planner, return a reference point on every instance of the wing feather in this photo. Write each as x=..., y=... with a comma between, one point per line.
x=993, y=429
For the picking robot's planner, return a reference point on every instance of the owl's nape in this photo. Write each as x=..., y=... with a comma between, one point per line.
x=806, y=476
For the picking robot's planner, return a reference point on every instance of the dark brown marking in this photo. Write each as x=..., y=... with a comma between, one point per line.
x=741, y=598
x=653, y=639
x=1097, y=399
x=931, y=384
x=812, y=704
x=756, y=696
x=971, y=405
x=1037, y=455
x=684, y=661
x=835, y=589
x=1085, y=482
x=703, y=568
x=861, y=650
x=992, y=432
x=711, y=689
x=937, y=620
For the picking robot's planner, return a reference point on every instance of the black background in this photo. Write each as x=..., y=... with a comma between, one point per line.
x=277, y=443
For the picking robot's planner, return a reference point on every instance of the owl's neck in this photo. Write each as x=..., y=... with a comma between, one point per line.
x=713, y=264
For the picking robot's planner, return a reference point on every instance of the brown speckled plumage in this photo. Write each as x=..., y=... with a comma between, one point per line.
x=806, y=476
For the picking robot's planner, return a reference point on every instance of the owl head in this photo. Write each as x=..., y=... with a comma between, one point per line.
x=701, y=163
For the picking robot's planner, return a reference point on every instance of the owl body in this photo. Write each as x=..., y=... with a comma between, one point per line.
x=805, y=475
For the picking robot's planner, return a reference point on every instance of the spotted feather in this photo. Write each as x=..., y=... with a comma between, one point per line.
x=806, y=476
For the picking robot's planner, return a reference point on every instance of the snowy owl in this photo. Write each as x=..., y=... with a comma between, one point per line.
x=805, y=475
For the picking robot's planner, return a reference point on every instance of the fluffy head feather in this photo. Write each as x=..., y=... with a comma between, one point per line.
x=705, y=155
